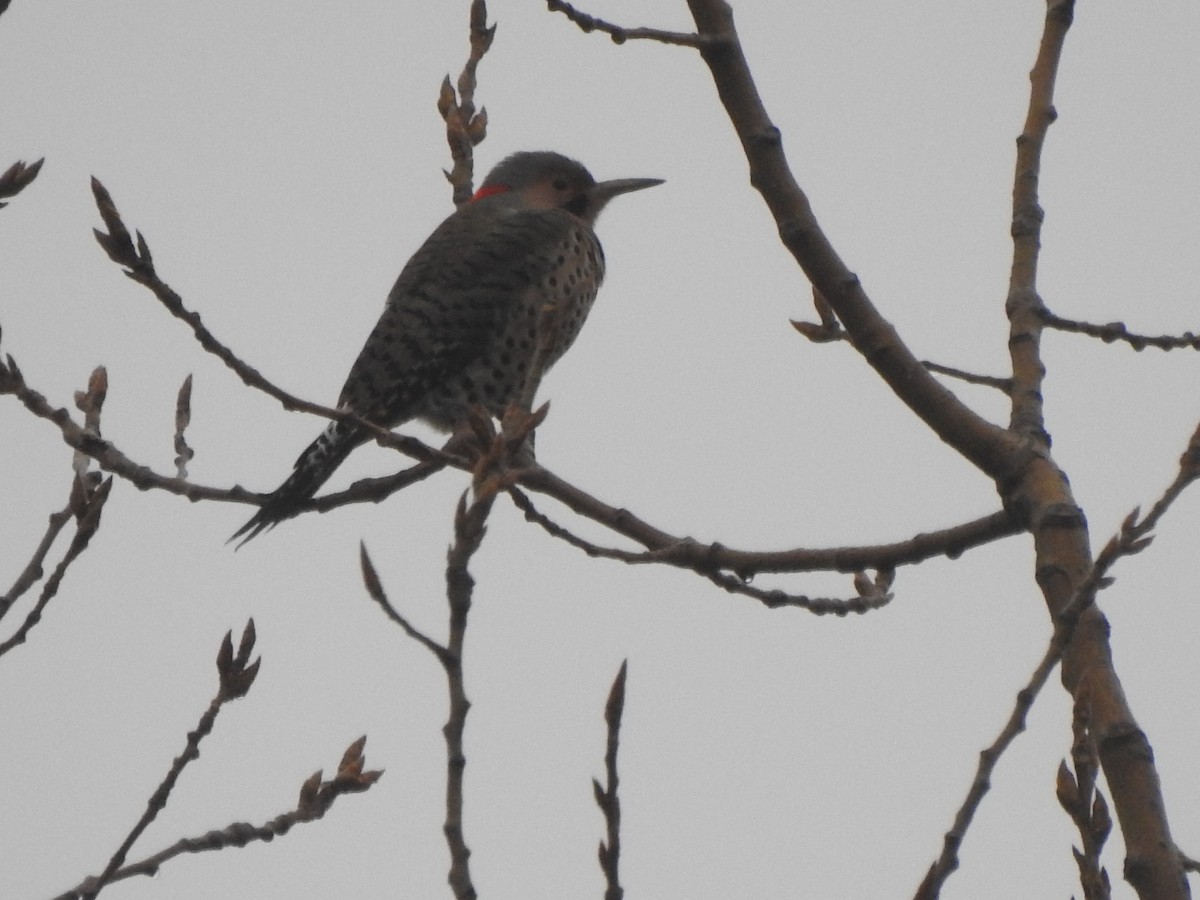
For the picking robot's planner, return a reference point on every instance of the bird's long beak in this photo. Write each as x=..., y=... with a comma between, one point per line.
x=606, y=190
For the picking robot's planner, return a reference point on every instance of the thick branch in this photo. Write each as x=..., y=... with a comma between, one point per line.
x=985, y=445
x=1063, y=556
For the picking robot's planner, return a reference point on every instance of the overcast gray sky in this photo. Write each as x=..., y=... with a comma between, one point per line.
x=283, y=161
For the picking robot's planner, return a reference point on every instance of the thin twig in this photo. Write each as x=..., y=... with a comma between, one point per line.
x=620, y=34
x=316, y=798
x=87, y=502
x=1116, y=331
x=33, y=569
x=607, y=797
x=106, y=454
x=1004, y=385
x=469, y=522
x=466, y=128
x=139, y=266
x=235, y=675
x=492, y=474
x=375, y=590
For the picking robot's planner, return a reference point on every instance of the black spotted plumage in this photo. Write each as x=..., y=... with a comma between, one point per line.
x=461, y=324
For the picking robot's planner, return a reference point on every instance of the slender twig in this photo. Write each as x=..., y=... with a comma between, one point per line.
x=375, y=590
x=1003, y=385
x=875, y=597
x=607, y=797
x=316, y=798
x=376, y=490
x=469, y=522
x=235, y=675
x=492, y=475
x=106, y=454
x=1116, y=331
x=466, y=128
x=139, y=266
x=620, y=34
x=87, y=503
x=33, y=570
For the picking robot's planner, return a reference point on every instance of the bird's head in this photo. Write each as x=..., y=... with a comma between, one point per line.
x=546, y=180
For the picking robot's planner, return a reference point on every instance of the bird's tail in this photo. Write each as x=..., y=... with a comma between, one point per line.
x=311, y=470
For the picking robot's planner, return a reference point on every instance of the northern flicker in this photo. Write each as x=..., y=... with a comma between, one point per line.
x=461, y=325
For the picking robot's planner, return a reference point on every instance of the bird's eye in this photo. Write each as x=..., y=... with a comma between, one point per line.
x=560, y=184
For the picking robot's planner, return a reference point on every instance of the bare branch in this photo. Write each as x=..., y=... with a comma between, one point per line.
x=606, y=796
x=236, y=675
x=691, y=554
x=469, y=522
x=316, y=798
x=375, y=590
x=465, y=128
x=33, y=569
x=1023, y=305
x=1116, y=331
x=1003, y=385
x=620, y=34
x=88, y=497
x=139, y=267
x=992, y=449
x=106, y=455
x=1133, y=537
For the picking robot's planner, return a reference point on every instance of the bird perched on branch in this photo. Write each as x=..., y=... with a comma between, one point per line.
x=491, y=300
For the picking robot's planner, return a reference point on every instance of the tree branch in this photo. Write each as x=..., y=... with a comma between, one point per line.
x=620, y=34
x=1116, y=331
x=985, y=445
x=607, y=797
x=236, y=675
x=1133, y=537
x=87, y=502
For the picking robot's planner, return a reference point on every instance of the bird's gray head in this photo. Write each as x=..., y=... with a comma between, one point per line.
x=545, y=180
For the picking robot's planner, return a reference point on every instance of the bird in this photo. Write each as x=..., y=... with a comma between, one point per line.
x=464, y=326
